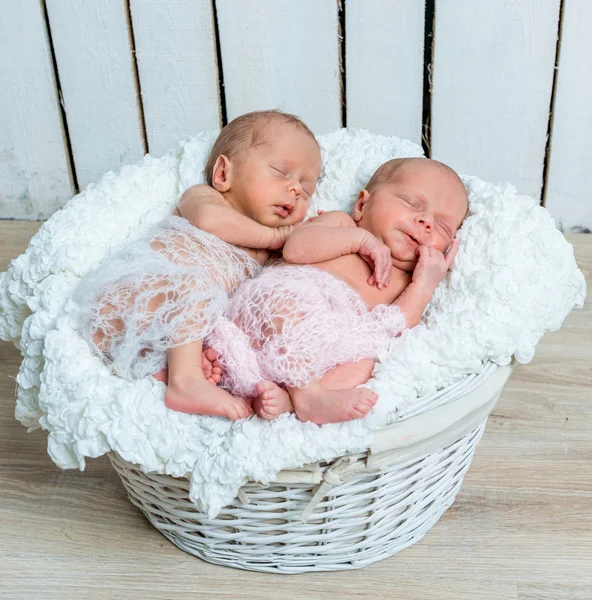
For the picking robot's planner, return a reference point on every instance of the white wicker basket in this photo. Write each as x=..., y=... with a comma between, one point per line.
x=341, y=515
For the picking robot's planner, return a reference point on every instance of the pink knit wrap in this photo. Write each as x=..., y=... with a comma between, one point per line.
x=292, y=324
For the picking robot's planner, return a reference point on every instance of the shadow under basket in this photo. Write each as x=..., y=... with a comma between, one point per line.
x=345, y=514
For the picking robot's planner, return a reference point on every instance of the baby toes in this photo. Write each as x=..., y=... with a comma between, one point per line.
x=370, y=396
x=364, y=405
x=244, y=410
x=264, y=386
x=268, y=401
x=361, y=409
x=211, y=354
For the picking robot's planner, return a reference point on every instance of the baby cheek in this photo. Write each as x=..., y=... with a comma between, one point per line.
x=300, y=212
x=442, y=243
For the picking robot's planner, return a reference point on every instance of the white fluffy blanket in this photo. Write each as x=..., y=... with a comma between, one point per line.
x=514, y=278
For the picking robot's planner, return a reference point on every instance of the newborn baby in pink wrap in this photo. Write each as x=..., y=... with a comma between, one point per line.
x=300, y=338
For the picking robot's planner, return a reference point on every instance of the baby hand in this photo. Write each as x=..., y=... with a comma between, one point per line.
x=319, y=213
x=279, y=235
x=433, y=265
x=378, y=256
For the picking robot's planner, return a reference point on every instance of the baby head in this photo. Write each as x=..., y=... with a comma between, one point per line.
x=410, y=202
x=266, y=165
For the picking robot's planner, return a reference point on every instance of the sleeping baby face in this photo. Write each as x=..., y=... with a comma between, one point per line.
x=273, y=182
x=422, y=203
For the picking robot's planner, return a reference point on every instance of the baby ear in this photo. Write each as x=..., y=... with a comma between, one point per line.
x=222, y=174
x=363, y=197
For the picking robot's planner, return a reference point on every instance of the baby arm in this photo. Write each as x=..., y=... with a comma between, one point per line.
x=206, y=208
x=334, y=234
x=328, y=236
x=429, y=272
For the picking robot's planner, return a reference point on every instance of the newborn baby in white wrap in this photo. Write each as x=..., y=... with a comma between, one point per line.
x=289, y=331
x=157, y=298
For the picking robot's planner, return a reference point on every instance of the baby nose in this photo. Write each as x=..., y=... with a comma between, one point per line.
x=426, y=221
x=294, y=186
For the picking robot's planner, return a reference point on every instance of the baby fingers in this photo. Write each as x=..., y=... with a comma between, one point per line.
x=386, y=267
x=422, y=251
x=378, y=277
x=452, y=252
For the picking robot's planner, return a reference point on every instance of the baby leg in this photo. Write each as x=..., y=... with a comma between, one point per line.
x=320, y=405
x=117, y=302
x=158, y=293
x=335, y=386
x=210, y=366
x=335, y=398
x=348, y=375
x=189, y=391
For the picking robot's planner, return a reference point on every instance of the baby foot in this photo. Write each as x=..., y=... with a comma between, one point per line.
x=271, y=400
x=203, y=398
x=322, y=406
x=212, y=369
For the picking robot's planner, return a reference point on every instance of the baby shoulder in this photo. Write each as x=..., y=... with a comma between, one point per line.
x=335, y=218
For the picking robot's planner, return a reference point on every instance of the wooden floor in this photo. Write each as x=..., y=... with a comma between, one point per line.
x=521, y=527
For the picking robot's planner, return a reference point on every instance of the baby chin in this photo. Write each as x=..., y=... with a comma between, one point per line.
x=404, y=256
x=402, y=247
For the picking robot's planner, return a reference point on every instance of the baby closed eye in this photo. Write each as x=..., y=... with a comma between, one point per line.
x=283, y=173
x=445, y=229
x=411, y=202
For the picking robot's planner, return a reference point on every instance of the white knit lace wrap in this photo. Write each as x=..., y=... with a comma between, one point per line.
x=167, y=289
x=292, y=324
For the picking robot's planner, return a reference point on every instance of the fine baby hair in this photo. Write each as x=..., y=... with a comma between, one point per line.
x=245, y=132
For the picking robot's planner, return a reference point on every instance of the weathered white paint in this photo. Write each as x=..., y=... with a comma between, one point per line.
x=384, y=66
x=34, y=165
x=569, y=193
x=492, y=82
x=491, y=94
x=94, y=59
x=175, y=50
x=282, y=54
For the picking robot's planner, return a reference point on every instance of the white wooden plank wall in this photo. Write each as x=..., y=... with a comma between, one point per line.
x=34, y=166
x=282, y=54
x=384, y=66
x=96, y=70
x=569, y=193
x=175, y=50
x=492, y=83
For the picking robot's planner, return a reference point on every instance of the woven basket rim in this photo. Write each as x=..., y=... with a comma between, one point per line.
x=378, y=456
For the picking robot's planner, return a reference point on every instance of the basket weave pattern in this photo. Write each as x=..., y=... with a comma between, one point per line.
x=369, y=517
